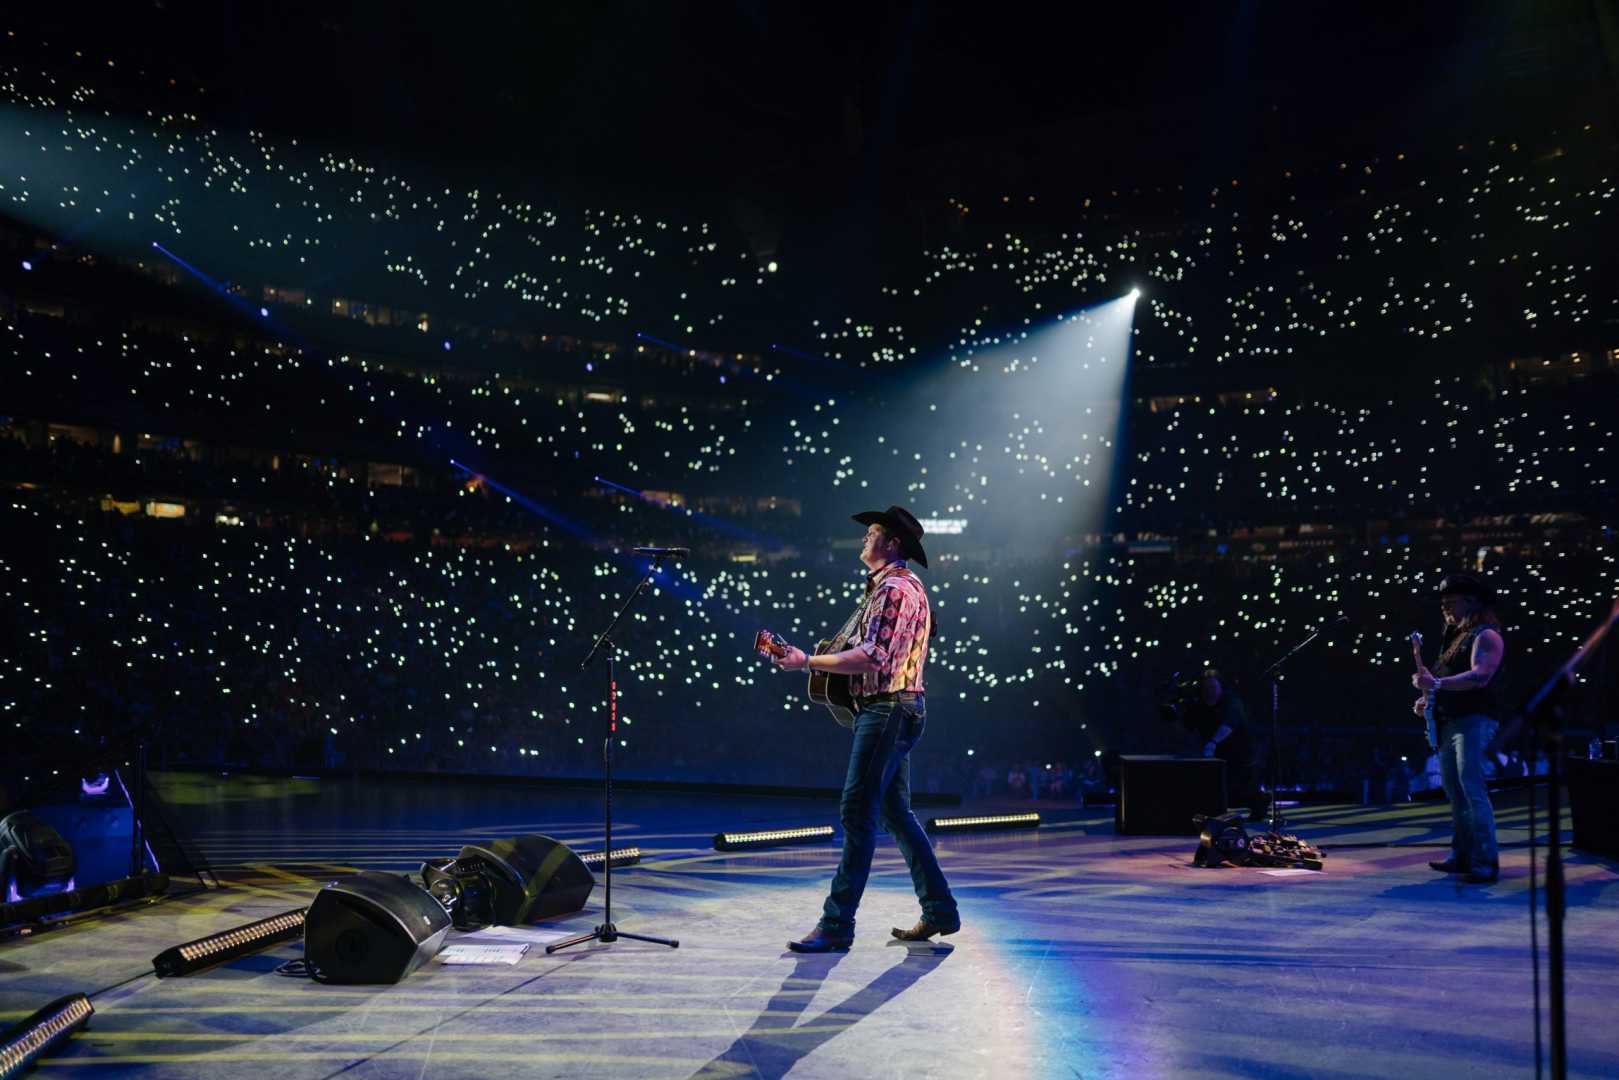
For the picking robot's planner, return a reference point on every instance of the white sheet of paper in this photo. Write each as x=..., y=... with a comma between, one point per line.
x=1291, y=871
x=481, y=954
x=512, y=935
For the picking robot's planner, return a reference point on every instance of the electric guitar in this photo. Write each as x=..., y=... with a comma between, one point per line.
x=834, y=691
x=1428, y=696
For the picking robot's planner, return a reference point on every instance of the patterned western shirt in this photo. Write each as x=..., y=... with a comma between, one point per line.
x=894, y=632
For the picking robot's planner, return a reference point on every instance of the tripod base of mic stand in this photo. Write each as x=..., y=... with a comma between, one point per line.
x=607, y=933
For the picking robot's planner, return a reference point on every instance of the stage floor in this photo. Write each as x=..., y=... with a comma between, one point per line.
x=1082, y=954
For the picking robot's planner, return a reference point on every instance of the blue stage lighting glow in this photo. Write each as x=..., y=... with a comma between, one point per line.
x=26, y=265
x=264, y=312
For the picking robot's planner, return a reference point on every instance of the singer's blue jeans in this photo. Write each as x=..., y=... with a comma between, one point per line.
x=1461, y=770
x=879, y=785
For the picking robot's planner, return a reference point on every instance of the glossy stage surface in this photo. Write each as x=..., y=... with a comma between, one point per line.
x=1083, y=954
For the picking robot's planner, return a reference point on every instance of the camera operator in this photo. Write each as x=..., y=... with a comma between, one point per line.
x=1217, y=715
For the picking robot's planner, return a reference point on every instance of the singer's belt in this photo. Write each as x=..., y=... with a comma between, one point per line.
x=908, y=696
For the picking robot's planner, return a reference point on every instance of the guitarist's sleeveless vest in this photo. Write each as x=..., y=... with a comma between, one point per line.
x=1456, y=656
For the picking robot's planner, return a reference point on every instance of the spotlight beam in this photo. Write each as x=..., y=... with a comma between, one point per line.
x=718, y=524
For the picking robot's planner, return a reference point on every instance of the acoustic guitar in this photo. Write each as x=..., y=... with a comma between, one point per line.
x=834, y=691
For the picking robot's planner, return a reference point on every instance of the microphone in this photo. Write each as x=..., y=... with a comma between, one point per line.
x=663, y=552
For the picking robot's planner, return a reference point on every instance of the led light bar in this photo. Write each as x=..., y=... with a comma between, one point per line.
x=742, y=841
x=227, y=945
x=624, y=856
x=31, y=1039
x=985, y=822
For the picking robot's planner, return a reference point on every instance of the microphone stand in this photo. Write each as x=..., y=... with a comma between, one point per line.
x=1274, y=674
x=1545, y=714
x=607, y=931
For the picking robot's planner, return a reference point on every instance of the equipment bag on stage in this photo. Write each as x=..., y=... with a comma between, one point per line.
x=33, y=855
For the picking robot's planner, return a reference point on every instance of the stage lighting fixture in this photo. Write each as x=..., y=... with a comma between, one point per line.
x=985, y=822
x=624, y=856
x=31, y=1039
x=463, y=890
x=219, y=948
x=1223, y=840
x=26, y=265
x=53, y=910
x=1135, y=294
x=742, y=841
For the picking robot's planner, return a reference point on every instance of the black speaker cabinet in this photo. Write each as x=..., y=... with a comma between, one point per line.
x=1593, y=804
x=372, y=928
x=1159, y=795
x=535, y=877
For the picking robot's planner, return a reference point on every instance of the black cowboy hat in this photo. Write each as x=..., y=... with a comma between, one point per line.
x=902, y=526
x=1463, y=584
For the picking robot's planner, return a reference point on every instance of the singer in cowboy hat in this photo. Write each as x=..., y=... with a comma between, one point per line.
x=1466, y=680
x=885, y=661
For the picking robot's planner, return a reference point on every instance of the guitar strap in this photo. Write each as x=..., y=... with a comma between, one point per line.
x=849, y=626
x=865, y=604
x=1455, y=647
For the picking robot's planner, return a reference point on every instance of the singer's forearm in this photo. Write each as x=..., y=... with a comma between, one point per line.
x=1464, y=680
x=847, y=662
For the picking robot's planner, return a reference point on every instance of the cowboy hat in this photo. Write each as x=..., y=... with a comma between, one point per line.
x=902, y=526
x=1462, y=584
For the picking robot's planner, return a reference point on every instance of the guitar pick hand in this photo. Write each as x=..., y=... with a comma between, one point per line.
x=792, y=660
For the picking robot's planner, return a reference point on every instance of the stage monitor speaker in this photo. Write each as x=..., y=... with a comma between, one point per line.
x=535, y=877
x=372, y=927
x=1160, y=795
x=1593, y=805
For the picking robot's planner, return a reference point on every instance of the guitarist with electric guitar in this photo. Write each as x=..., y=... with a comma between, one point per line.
x=1461, y=705
x=869, y=676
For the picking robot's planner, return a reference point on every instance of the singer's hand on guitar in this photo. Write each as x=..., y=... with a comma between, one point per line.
x=792, y=660
x=1420, y=707
x=1424, y=680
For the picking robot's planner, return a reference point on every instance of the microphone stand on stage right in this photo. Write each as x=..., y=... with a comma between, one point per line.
x=1276, y=846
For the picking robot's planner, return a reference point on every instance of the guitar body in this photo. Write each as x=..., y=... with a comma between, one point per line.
x=1428, y=710
x=836, y=692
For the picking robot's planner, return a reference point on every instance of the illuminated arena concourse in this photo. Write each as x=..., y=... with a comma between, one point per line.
x=688, y=540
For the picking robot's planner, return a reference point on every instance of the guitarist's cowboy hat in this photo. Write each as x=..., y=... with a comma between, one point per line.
x=1462, y=584
x=902, y=526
